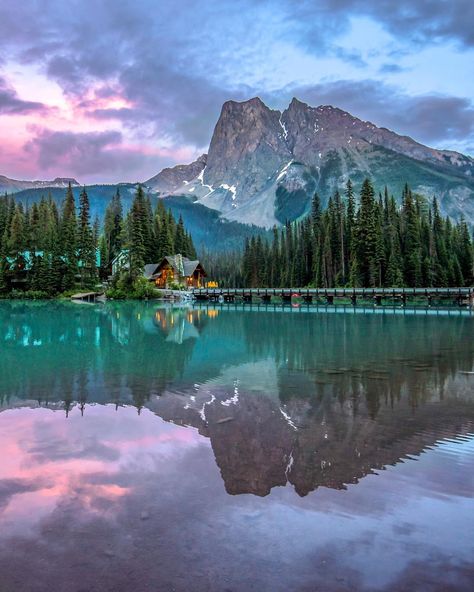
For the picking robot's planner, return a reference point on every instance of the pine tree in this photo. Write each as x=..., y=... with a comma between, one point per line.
x=68, y=235
x=375, y=244
x=377, y=270
x=394, y=277
x=274, y=278
x=181, y=242
x=191, y=250
x=465, y=254
x=18, y=239
x=246, y=263
x=136, y=246
x=412, y=242
x=366, y=236
x=113, y=230
x=147, y=228
x=86, y=248
x=165, y=239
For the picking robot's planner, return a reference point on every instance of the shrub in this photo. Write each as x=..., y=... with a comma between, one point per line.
x=142, y=289
x=29, y=295
x=116, y=294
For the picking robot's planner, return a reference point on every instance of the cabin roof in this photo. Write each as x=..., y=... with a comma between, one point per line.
x=185, y=267
x=149, y=270
x=175, y=261
x=122, y=253
x=189, y=266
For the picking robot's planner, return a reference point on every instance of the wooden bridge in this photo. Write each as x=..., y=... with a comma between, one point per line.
x=457, y=296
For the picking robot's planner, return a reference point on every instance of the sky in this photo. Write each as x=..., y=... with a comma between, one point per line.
x=115, y=90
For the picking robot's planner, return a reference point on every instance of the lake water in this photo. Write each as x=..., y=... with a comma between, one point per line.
x=235, y=448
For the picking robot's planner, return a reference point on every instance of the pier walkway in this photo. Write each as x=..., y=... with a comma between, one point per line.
x=89, y=297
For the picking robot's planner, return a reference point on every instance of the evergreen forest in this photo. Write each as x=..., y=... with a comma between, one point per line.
x=357, y=241
x=363, y=240
x=47, y=251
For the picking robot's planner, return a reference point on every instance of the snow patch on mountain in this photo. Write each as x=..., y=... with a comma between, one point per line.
x=200, y=178
x=283, y=127
x=284, y=170
x=231, y=188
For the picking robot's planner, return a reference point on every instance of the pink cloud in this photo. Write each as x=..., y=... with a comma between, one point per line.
x=48, y=460
x=12, y=104
x=95, y=136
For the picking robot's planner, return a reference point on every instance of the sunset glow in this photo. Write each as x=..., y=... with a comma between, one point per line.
x=116, y=91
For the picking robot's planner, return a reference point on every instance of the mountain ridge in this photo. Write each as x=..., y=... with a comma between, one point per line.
x=258, y=154
x=264, y=165
x=14, y=185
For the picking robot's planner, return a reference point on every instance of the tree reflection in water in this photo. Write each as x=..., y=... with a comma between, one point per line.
x=111, y=500
x=285, y=396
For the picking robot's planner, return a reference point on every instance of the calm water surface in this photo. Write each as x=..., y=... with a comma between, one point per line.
x=235, y=449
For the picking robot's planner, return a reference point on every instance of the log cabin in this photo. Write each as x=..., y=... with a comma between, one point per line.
x=176, y=269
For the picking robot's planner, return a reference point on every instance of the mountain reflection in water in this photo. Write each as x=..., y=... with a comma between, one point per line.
x=280, y=395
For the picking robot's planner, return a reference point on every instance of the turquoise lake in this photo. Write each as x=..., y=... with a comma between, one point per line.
x=239, y=448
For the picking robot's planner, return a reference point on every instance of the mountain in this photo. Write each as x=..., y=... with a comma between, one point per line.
x=170, y=178
x=13, y=185
x=264, y=165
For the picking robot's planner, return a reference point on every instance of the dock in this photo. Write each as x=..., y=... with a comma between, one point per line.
x=329, y=296
x=89, y=297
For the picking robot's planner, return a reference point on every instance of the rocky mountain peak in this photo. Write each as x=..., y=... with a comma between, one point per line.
x=247, y=143
x=254, y=103
x=296, y=104
x=264, y=165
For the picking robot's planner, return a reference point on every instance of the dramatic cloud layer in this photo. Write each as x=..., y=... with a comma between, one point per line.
x=11, y=104
x=120, y=89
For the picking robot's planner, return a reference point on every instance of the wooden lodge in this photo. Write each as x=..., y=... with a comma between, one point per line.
x=172, y=269
x=175, y=269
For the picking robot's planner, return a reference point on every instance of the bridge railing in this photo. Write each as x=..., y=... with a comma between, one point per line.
x=454, y=291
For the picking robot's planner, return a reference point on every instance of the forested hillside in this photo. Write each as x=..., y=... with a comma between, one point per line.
x=50, y=250
x=371, y=241
x=209, y=229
